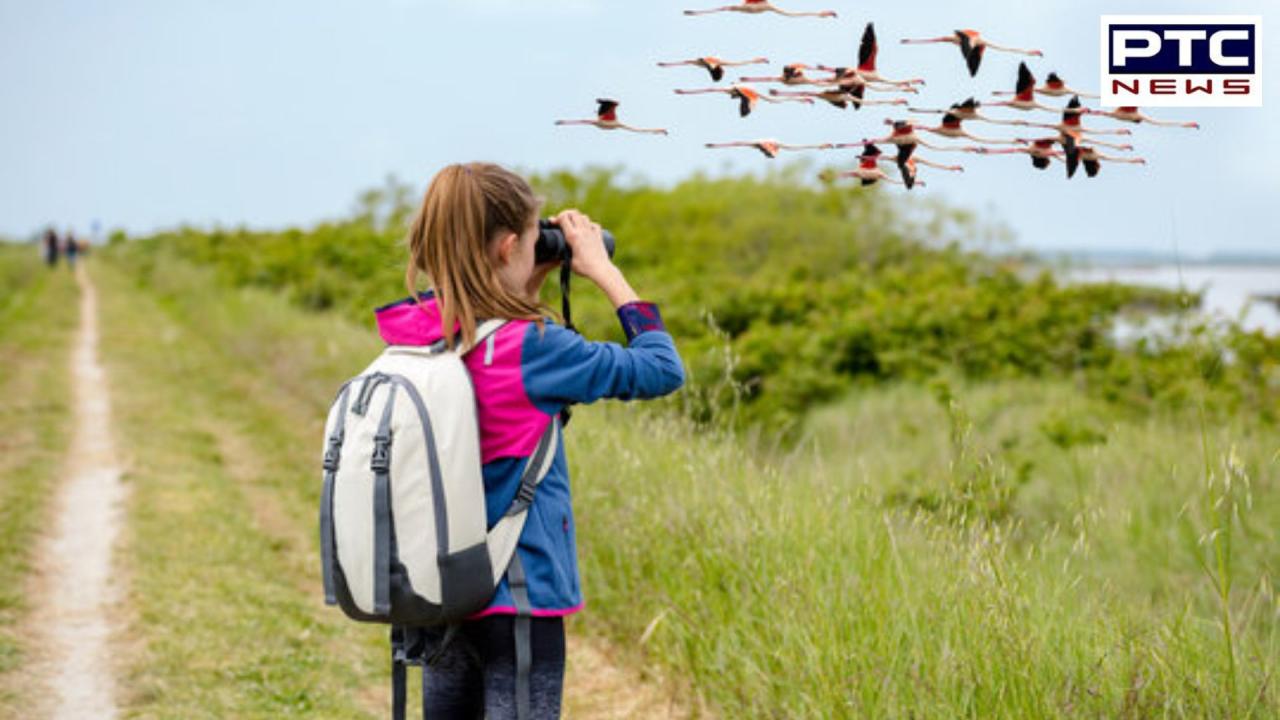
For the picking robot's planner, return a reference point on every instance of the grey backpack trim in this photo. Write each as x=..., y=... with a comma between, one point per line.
x=380, y=464
x=332, y=456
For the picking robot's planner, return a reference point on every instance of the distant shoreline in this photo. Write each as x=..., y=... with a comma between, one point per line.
x=1141, y=258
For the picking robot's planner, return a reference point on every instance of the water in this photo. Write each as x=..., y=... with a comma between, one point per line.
x=1227, y=289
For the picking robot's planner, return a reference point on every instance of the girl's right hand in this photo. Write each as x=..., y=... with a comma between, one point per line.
x=586, y=240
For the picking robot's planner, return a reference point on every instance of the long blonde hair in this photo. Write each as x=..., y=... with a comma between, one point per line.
x=465, y=207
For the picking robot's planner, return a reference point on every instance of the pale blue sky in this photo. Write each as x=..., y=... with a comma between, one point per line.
x=148, y=114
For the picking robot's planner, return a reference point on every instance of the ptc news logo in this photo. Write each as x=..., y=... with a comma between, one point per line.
x=1181, y=60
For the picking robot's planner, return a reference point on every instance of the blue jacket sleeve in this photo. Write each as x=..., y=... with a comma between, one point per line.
x=561, y=367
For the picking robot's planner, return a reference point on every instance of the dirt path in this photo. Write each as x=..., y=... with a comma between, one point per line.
x=71, y=626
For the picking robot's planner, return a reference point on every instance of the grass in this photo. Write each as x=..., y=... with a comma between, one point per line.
x=219, y=547
x=1009, y=549
x=38, y=316
x=857, y=576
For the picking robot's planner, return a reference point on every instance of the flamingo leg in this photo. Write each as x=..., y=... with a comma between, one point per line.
x=1110, y=158
x=789, y=13
x=944, y=148
x=995, y=121
x=940, y=166
x=1091, y=131
x=1020, y=51
x=652, y=131
x=992, y=141
x=1113, y=146
x=1170, y=123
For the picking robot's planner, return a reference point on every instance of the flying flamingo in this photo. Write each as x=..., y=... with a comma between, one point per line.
x=838, y=97
x=1130, y=113
x=972, y=46
x=1092, y=160
x=792, y=74
x=904, y=136
x=951, y=127
x=607, y=119
x=1041, y=152
x=869, y=170
x=756, y=7
x=746, y=97
x=867, y=52
x=770, y=148
x=1054, y=86
x=848, y=77
x=968, y=110
x=907, y=166
x=1072, y=122
x=1025, y=97
x=714, y=65
x=1072, y=127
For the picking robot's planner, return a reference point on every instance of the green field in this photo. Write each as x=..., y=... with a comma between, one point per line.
x=905, y=480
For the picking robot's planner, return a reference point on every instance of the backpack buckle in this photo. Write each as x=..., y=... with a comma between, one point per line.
x=332, y=452
x=525, y=493
x=381, y=461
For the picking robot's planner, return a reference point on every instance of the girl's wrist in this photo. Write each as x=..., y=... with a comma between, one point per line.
x=614, y=285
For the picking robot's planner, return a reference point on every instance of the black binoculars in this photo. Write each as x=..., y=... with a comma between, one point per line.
x=551, y=244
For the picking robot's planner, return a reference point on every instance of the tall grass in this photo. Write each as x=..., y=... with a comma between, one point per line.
x=1008, y=549
x=38, y=317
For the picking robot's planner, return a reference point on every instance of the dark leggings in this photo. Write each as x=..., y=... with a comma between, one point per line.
x=475, y=676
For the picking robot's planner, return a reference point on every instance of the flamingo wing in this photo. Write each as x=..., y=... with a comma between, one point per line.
x=1054, y=82
x=908, y=169
x=1026, y=83
x=606, y=109
x=966, y=43
x=868, y=50
x=1091, y=167
x=1039, y=162
x=857, y=92
x=1071, y=113
x=1073, y=155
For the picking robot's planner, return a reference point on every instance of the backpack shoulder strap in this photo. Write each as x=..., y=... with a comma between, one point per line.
x=506, y=533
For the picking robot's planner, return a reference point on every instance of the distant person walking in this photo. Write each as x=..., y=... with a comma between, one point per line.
x=51, y=247
x=72, y=249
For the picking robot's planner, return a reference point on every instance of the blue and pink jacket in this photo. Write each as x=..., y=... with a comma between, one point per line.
x=523, y=385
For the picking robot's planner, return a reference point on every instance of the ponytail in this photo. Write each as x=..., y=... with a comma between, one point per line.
x=464, y=208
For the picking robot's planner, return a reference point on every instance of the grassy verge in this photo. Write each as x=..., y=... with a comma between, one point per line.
x=228, y=619
x=987, y=556
x=38, y=317
x=1005, y=550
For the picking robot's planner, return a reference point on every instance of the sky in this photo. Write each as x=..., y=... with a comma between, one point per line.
x=144, y=115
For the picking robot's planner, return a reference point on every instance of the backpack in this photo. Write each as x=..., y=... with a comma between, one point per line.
x=403, y=537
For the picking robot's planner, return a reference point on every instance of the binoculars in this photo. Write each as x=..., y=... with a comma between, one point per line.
x=551, y=244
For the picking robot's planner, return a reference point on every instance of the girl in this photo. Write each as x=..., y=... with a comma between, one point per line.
x=474, y=238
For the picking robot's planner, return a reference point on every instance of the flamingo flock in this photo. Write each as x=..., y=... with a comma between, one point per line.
x=1072, y=143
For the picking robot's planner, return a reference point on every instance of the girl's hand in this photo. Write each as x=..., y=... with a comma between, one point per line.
x=586, y=240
